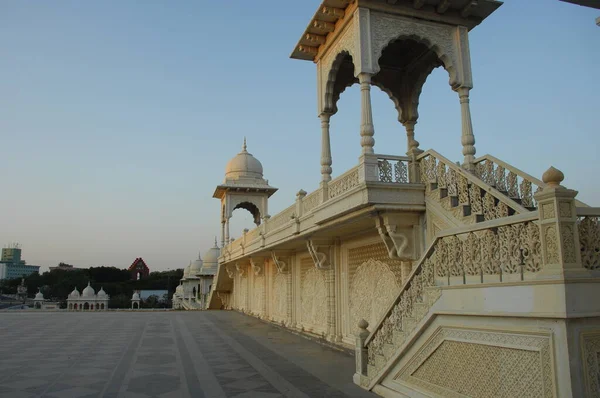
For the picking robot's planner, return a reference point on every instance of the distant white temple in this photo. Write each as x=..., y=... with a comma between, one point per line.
x=196, y=284
x=88, y=300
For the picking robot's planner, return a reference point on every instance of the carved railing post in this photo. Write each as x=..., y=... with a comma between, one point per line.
x=299, y=198
x=558, y=226
x=361, y=352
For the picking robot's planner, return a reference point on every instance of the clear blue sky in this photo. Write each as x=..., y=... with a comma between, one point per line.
x=117, y=118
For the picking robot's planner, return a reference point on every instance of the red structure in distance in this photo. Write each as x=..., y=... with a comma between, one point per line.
x=139, y=269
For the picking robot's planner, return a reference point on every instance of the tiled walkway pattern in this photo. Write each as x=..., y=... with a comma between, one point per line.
x=164, y=354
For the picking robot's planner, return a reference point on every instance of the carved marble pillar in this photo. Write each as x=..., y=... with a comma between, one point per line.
x=367, y=130
x=223, y=234
x=330, y=282
x=264, y=295
x=325, y=147
x=558, y=227
x=414, y=172
x=227, y=230
x=290, y=323
x=468, y=138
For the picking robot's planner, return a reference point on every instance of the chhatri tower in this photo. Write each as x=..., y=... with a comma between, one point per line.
x=473, y=279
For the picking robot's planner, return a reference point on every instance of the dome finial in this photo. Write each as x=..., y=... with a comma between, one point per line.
x=216, y=242
x=244, y=146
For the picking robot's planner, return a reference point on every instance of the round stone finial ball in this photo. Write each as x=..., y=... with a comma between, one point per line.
x=362, y=324
x=553, y=176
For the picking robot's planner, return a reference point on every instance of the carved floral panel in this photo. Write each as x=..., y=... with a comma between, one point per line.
x=372, y=290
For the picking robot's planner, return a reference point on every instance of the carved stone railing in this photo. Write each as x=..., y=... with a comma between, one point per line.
x=509, y=247
x=311, y=201
x=393, y=169
x=514, y=183
x=281, y=219
x=252, y=235
x=588, y=226
x=464, y=189
x=343, y=183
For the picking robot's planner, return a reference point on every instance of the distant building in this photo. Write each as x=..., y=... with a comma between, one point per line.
x=64, y=267
x=88, y=300
x=139, y=269
x=12, y=266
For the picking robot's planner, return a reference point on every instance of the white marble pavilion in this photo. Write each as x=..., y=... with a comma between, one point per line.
x=473, y=279
x=88, y=300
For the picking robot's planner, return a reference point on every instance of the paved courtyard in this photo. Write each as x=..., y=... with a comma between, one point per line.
x=164, y=354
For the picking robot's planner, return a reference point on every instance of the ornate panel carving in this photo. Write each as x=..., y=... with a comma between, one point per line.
x=313, y=297
x=589, y=242
x=280, y=293
x=568, y=244
x=372, y=289
x=564, y=209
x=548, y=211
x=376, y=251
x=243, y=293
x=590, y=354
x=461, y=362
x=551, y=244
x=258, y=295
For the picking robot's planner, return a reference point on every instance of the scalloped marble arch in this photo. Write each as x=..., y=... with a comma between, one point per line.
x=332, y=95
x=251, y=207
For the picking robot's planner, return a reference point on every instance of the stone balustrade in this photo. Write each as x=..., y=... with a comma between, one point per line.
x=393, y=169
x=469, y=193
x=588, y=227
x=392, y=174
x=520, y=249
x=516, y=184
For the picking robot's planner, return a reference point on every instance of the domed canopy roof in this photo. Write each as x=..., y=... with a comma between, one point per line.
x=195, y=267
x=136, y=296
x=179, y=289
x=186, y=271
x=102, y=293
x=212, y=255
x=74, y=293
x=39, y=296
x=243, y=165
x=211, y=260
x=88, y=291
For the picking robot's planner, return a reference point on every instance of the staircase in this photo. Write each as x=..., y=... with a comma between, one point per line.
x=469, y=198
x=495, y=242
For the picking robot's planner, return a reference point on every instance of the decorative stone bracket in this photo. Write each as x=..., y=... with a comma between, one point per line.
x=230, y=271
x=278, y=259
x=257, y=264
x=240, y=269
x=398, y=239
x=320, y=253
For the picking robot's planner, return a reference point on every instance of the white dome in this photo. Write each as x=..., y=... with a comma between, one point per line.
x=186, y=271
x=195, y=267
x=74, y=293
x=135, y=296
x=179, y=289
x=88, y=291
x=243, y=165
x=211, y=260
x=39, y=296
x=102, y=293
x=212, y=255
